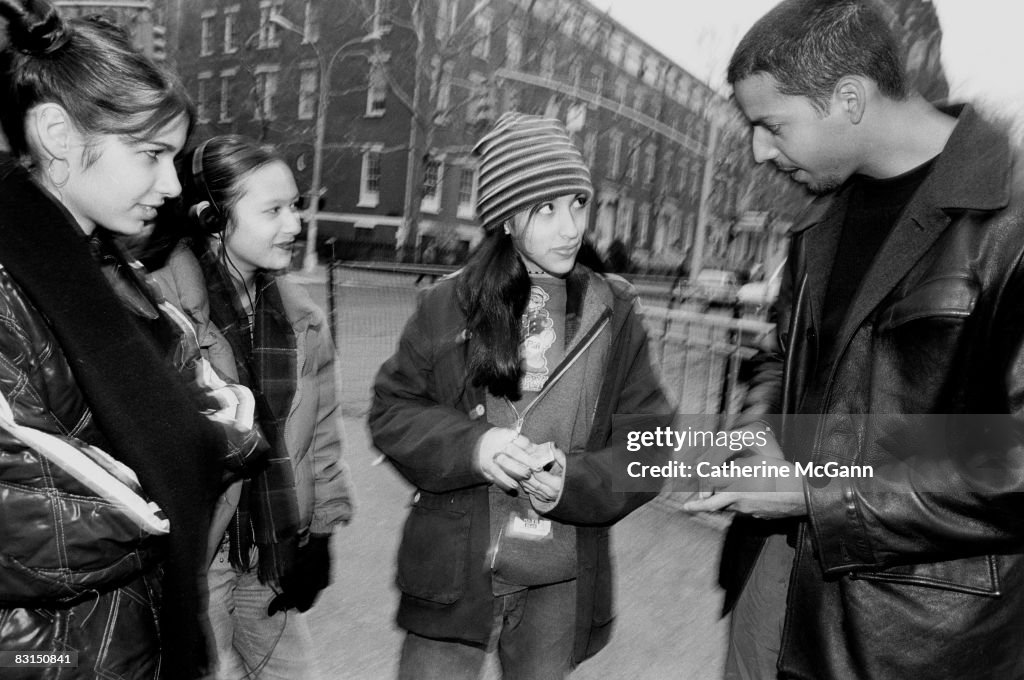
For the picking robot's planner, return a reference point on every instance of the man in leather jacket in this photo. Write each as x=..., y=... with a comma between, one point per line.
x=900, y=322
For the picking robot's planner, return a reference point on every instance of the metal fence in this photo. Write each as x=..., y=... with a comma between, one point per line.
x=699, y=353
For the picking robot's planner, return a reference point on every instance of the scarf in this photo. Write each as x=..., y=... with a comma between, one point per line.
x=268, y=510
x=143, y=410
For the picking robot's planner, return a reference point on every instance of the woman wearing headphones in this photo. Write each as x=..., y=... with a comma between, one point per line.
x=268, y=546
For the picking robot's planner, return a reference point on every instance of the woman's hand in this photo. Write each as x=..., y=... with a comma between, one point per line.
x=503, y=458
x=545, y=484
x=236, y=407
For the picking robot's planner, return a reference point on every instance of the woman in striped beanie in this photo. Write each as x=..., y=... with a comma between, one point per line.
x=498, y=407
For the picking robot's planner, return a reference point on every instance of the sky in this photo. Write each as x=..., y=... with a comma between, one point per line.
x=980, y=45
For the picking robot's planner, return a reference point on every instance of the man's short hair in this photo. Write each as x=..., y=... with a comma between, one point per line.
x=808, y=45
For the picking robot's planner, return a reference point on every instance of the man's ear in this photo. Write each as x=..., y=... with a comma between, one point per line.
x=850, y=96
x=50, y=127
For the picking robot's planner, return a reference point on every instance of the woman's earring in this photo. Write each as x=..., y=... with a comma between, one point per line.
x=508, y=231
x=52, y=174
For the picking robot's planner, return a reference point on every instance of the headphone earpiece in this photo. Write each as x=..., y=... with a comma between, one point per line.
x=206, y=217
x=206, y=214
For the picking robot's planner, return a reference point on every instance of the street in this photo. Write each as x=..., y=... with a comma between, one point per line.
x=667, y=601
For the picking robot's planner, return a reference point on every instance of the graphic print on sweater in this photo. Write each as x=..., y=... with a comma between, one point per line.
x=538, y=337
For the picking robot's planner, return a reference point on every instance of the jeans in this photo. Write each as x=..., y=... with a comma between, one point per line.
x=755, y=630
x=534, y=632
x=250, y=644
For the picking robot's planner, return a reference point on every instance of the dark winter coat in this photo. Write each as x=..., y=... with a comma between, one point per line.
x=427, y=418
x=75, y=363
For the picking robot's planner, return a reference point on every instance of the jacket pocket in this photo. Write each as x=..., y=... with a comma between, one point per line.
x=432, y=556
x=951, y=297
x=970, y=575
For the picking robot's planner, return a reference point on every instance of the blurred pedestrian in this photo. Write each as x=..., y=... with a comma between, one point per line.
x=86, y=563
x=269, y=548
x=498, y=407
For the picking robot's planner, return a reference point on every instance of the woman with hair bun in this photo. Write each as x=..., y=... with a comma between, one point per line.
x=102, y=447
x=497, y=406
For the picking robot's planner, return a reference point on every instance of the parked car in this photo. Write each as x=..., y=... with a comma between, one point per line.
x=714, y=287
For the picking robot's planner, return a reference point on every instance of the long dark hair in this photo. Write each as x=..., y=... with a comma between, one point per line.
x=87, y=66
x=493, y=290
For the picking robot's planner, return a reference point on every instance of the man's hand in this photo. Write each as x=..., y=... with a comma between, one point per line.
x=503, y=457
x=761, y=497
x=764, y=497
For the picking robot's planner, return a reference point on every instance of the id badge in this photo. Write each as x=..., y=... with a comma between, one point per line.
x=529, y=527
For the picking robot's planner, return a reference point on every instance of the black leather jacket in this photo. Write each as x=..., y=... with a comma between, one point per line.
x=75, y=573
x=916, y=573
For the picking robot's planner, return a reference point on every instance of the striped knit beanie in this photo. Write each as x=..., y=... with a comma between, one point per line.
x=526, y=160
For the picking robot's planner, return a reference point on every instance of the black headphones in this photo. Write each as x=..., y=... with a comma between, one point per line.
x=206, y=213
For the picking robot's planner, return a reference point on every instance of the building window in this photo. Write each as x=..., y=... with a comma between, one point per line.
x=447, y=15
x=621, y=90
x=206, y=33
x=624, y=220
x=480, y=107
x=590, y=148
x=547, y=62
x=311, y=22
x=441, y=87
x=433, y=176
x=639, y=98
x=570, y=21
x=597, y=79
x=203, y=97
x=650, y=158
x=643, y=223
x=514, y=45
x=615, y=48
x=377, y=86
x=369, y=182
x=576, y=75
x=308, y=77
x=614, y=154
x=268, y=35
x=467, y=193
x=226, y=85
x=231, y=29
x=482, y=35
x=634, y=162
x=266, y=91
x=684, y=175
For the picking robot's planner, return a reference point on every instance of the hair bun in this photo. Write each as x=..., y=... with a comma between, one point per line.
x=34, y=26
